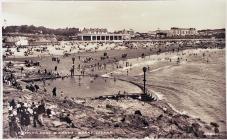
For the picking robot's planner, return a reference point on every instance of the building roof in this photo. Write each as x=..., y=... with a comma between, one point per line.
x=212, y=30
x=94, y=30
x=172, y=28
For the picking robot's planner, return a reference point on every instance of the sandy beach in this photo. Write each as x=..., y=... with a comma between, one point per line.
x=189, y=92
x=194, y=87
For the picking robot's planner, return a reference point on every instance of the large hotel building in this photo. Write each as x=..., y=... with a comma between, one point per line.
x=101, y=35
x=182, y=31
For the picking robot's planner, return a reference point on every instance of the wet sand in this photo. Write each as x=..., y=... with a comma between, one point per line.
x=195, y=87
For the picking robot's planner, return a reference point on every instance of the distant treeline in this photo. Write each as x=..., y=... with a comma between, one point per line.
x=40, y=30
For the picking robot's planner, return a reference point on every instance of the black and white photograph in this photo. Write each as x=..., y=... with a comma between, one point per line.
x=131, y=69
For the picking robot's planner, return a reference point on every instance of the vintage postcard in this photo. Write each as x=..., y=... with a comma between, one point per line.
x=113, y=69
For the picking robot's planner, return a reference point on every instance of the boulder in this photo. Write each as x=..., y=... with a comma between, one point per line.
x=164, y=109
x=109, y=106
x=181, y=123
x=159, y=117
x=207, y=127
x=199, y=134
x=216, y=130
x=195, y=126
x=137, y=112
x=57, y=123
x=123, y=119
x=116, y=125
x=189, y=129
x=214, y=124
x=136, y=121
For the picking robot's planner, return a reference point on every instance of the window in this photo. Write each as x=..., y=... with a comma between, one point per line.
x=93, y=37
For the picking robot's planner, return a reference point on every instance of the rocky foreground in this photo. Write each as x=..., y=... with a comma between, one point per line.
x=106, y=118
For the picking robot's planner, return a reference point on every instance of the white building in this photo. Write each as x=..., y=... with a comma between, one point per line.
x=182, y=31
x=101, y=35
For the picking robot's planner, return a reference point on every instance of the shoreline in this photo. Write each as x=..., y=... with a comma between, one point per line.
x=163, y=103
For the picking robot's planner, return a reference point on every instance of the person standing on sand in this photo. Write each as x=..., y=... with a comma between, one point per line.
x=55, y=68
x=12, y=104
x=54, y=91
x=62, y=93
x=73, y=59
x=36, y=117
x=41, y=111
x=21, y=69
x=36, y=87
x=73, y=68
x=71, y=72
x=58, y=60
x=178, y=60
x=25, y=117
x=14, y=127
x=45, y=71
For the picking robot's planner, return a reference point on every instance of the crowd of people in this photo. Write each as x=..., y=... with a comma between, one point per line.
x=10, y=79
x=21, y=116
x=24, y=115
x=63, y=48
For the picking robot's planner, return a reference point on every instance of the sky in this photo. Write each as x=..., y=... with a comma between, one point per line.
x=141, y=16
